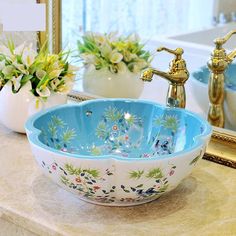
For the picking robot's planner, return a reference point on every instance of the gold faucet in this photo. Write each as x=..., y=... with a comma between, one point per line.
x=177, y=76
x=217, y=64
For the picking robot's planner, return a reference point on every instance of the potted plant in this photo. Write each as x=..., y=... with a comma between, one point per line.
x=113, y=64
x=31, y=81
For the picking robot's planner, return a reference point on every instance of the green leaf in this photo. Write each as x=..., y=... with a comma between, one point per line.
x=93, y=172
x=136, y=174
x=25, y=79
x=72, y=170
x=155, y=173
x=139, y=186
x=52, y=129
x=68, y=135
x=58, y=121
x=64, y=180
x=44, y=81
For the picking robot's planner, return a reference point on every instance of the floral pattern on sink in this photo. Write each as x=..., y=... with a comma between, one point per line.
x=118, y=132
x=91, y=184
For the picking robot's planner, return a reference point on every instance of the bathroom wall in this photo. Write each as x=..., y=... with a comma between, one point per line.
x=18, y=37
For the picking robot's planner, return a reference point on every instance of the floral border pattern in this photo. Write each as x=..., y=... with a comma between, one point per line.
x=93, y=184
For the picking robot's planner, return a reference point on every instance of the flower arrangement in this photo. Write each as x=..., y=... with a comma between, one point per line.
x=116, y=53
x=47, y=73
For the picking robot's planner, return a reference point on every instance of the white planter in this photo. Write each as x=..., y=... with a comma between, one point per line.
x=15, y=109
x=106, y=84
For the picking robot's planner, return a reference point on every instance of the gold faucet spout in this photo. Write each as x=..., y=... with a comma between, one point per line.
x=177, y=76
x=231, y=56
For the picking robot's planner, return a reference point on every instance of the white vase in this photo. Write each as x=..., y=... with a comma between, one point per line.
x=112, y=85
x=15, y=109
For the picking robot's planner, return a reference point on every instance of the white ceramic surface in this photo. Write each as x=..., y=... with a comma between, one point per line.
x=106, y=84
x=16, y=108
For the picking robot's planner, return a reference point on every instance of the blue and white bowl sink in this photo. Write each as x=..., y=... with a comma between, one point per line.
x=199, y=80
x=117, y=152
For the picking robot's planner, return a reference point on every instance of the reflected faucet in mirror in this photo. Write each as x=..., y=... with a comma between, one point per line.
x=177, y=76
x=217, y=64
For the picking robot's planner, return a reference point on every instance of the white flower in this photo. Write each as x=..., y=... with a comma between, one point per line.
x=106, y=50
x=116, y=57
x=54, y=83
x=142, y=64
x=122, y=67
x=54, y=74
x=99, y=39
x=20, y=67
x=128, y=56
x=65, y=88
x=2, y=64
x=88, y=58
x=136, y=69
x=40, y=74
x=7, y=70
x=28, y=56
x=43, y=91
x=16, y=82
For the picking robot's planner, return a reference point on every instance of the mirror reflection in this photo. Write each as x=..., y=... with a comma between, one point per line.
x=188, y=25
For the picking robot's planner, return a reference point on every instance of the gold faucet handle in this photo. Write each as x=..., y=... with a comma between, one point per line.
x=178, y=52
x=220, y=41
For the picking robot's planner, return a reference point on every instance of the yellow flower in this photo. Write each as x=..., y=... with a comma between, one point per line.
x=54, y=74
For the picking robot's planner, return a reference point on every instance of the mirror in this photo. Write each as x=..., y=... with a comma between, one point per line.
x=158, y=23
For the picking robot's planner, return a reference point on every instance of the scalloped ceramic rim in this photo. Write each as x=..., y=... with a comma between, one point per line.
x=33, y=133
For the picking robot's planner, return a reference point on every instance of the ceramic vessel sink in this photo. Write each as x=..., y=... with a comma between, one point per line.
x=117, y=152
x=199, y=80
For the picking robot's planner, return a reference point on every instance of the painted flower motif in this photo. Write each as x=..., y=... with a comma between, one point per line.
x=54, y=167
x=168, y=121
x=88, y=183
x=115, y=127
x=96, y=187
x=78, y=180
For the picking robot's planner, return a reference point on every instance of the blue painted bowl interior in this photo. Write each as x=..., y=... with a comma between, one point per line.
x=230, y=76
x=123, y=128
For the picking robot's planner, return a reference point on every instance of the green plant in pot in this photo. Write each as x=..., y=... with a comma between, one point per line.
x=31, y=81
x=113, y=64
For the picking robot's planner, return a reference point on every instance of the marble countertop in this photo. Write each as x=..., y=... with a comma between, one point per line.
x=203, y=204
